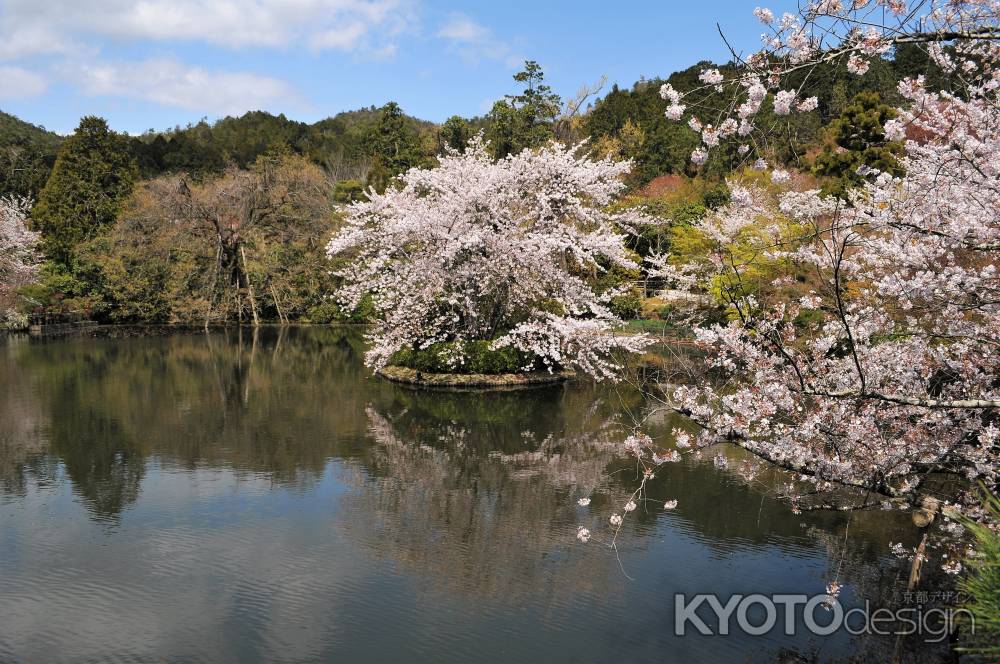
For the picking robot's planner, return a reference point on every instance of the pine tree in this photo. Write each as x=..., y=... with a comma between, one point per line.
x=859, y=135
x=525, y=120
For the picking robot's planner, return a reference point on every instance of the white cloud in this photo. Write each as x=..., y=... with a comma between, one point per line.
x=474, y=42
x=17, y=83
x=172, y=83
x=462, y=29
x=347, y=25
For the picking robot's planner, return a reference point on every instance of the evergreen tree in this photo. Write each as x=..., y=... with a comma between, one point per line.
x=859, y=140
x=455, y=133
x=378, y=175
x=91, y=179
x=524, y=120
x=537, y=102
x=393, y=142
x=504, y=130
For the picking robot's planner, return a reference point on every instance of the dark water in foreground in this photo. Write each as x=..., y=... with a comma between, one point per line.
x=234, y=498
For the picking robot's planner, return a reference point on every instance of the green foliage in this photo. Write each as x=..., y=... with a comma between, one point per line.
x=628, y=305
x=525, y=120
x=11, y=319
x=505, y=130
x=479, y=358
x=982, y=584
x=92, y=177
x=167, y=258
x=60, y=290
x=685, y=203
x=667, y=145
x=378, y=176
x=348, y=191
x=455, y=133
x=716, y=196
x=393, y=143
x=859, y=140
x=757, y=272
x=339, y=143
x=27, y=154
x=330, y=312
x=538, y=103
x=133, y=287
x=809, y=320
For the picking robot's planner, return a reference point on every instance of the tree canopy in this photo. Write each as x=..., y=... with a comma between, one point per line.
x=92, y=177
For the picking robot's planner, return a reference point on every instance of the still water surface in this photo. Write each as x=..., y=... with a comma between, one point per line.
x=241, y=497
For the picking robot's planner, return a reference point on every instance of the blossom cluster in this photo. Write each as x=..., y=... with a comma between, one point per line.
x=19, y=259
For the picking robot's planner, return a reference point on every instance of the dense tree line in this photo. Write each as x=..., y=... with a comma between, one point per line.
x=170, y=226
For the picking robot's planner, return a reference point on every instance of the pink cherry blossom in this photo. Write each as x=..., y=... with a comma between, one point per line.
x=19, y=258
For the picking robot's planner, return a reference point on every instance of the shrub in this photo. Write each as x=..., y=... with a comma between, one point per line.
x=348, y=191
x=331, y=312
x=445, y=357
x=982, y=585
x=13, y=320
x=809, y=319
x=627, y=305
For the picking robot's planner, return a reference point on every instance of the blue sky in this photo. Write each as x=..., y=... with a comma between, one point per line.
x=157, y=63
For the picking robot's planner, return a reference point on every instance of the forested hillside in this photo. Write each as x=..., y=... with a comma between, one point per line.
x=340, y=144
x=27, y=153
x=220, y=221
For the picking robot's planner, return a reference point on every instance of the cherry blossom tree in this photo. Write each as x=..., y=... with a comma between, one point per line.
x=501, y=251
x=18, y=247
x=891, y=396
x=897, y=386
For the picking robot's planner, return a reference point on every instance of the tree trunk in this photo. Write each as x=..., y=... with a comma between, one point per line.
x=215, y=281
x=246, y=278
x=277, y=306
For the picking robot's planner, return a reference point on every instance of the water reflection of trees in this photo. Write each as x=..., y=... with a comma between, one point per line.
x=477, y=492
x=22, y=445
x=467, y=471
x=274, y=401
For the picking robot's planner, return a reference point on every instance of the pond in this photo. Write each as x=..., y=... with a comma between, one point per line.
x=259, y=496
